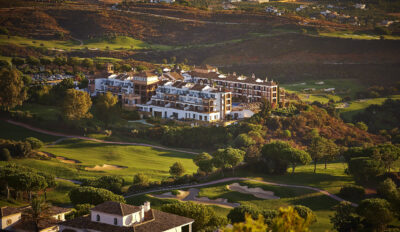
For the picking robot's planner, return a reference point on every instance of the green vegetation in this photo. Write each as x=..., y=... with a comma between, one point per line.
x=117, y=43
x=352, y=35
x=132, y=159
x=10, y=131
x=358, y=106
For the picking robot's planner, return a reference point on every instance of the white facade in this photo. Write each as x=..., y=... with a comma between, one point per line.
x=113, y=84
x=8, y=221
x=189, y=101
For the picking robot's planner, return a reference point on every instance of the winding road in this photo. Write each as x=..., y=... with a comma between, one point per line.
x=66, y=136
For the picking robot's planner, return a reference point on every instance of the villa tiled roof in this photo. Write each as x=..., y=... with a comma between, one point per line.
x=54, y=210
x=29, y=225
x=155, y=221
x=146, y=73
x=116, y=208
x=7, y=211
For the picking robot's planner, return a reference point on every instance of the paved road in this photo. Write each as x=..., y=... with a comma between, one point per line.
x=94, y=140
x=241, y=179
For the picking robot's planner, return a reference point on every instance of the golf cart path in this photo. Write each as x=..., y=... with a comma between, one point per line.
x=66, y=136
x=324, y=192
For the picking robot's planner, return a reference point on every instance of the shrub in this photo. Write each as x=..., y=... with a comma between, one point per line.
x=5, y=155
x=175, y=192
x=35, y=143
x=352, y=192
x=93, y=196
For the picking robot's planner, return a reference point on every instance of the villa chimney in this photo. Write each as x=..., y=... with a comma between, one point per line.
x=146, y=206
x=253, y=76
x=234, y=73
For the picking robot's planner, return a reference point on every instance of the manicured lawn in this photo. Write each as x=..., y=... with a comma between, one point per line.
x=118, y=43
x=319, y=203
x=351, y=35
x=10, y=131
x=152, y=162
x=47, y=113
x=359, y=105
x=343, y=87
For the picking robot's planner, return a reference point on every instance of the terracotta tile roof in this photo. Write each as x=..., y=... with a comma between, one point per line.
x=116, y=208
x=155, y=221
x=176, y=76
x=198, y=87
x=162, y=222
x=54, y=210
x=29, y=225
x=146, y=73
x=86, y=223
x=6, y=211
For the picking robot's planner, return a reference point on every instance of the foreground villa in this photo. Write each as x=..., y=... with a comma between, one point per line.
x=120, y=217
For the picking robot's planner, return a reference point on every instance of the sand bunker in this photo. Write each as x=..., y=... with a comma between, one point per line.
x=104, y=167
x=66, y=160
x=257, y=192
x=192, y=194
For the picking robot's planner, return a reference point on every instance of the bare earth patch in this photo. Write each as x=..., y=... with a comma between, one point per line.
x=104, y=167
x=257, y=192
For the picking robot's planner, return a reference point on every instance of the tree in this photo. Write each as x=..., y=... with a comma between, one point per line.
x=204, y=162
x=111, y=183
x=38, y=211
x=376, y=213
x=12, y=89
x=93, y=196
x=17, y=61
x=33, y=61
x=243, y=140
x=296, y=157
x=330, y=152
x=228, y=158
x=387, y=153
x=87, y=63
x=389, y=191
x=205, y=218
x=141, y=180
x=173, y=59
x=177, y=169
x=45, y=61
x=365, y=169
x=5, y=155
x=345, y=218
x=361, y=126
x=274, y=155
x=317, y=149
x=306, y=213
x=352, y=192
x=35, y=143
x=238, y=214
x=76, y=105
x=289, y=220
x=165, y=61
x=106, y=107
x=250, y=225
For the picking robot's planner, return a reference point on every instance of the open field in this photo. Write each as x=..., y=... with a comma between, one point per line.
x=359, y=105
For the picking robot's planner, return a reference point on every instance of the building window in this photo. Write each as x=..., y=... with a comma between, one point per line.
x=98, y=218
x=115, y=221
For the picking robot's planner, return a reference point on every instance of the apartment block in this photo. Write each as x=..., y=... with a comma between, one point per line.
x=181, y=100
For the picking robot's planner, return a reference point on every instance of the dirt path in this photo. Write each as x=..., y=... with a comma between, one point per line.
x=92, y=139
x=324, y=192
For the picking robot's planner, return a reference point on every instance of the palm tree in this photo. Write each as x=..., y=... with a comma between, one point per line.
x=38, y=211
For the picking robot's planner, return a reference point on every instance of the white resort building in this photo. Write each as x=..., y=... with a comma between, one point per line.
x=119, y=217
x=181, y=100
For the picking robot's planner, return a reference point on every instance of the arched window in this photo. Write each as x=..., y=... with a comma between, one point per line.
x=98, y=218
x=115, y=221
